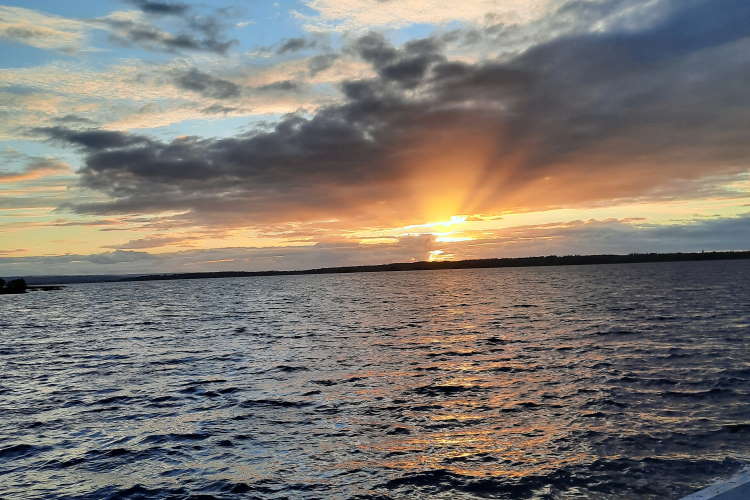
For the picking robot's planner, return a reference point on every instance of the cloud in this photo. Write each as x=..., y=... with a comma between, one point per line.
x=321, y=62
x=133, y=94
x=71, y=119
x=117, y=257
x=297, y=44
x=86, y=223
x=237, y=258
x=161, y=8
x=152, y=242
x=282, y=86
x=94, y=140
x=44, y=31
x=36, y=169
x=579, y=120
x=197, y=33
x=610, y=236
x=578, y=237
x=206, y=85
x=194, y=32
x=218, y=109
x=366, y=14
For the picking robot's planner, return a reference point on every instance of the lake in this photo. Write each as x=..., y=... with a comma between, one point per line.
x=579, y=382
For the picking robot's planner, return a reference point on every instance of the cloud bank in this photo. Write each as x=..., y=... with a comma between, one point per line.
x=653, y=113
x=578, y=237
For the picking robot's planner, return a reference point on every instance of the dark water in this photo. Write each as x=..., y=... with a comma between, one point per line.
x=604, y=382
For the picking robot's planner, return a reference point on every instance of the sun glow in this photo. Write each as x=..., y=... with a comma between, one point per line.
x=448, y=238
x=439, y=256
x=441, y=236
x=455, y=219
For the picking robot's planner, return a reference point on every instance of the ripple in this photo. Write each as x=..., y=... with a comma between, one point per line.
x=583, y=383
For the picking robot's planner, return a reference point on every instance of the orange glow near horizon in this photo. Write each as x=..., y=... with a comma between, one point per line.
x=439, y=256
x=455, y=219
x=443, y=181
x=447, y=238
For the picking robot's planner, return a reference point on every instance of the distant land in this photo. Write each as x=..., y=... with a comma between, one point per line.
x=550, y=260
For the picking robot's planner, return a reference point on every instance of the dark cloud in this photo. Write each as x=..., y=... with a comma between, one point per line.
x=216, y=109
x=94, y=140
x=407, y=67
x=650, y=113
x=281, y=86
x=321, y=62
x=203, y=33
x=160, y=8
x=206, y=85
x=297, y=44
x=73, y=120
x=148, y=36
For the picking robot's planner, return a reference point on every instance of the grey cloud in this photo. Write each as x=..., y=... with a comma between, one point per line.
x=203, y=33
x=117, y=257
x=281, y=86
x=322, y=254
x=297, y=44
x=625, y=114
x=101, y=222
x=216, y=109
x=150, y=242
x=206, y=85
x=321, y=62
x=160, y=8
x=36, y=165
x=95, y=140
x=375, y=49
x=406, y=67
x=613, y=236
x=73, y=119
x=18, y=202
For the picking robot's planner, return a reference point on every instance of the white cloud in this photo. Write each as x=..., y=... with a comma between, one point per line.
x=132, y=94
x=44, y=31
x=359, y=14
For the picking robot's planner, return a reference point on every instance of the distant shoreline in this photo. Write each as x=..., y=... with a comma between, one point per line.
x=542, y=261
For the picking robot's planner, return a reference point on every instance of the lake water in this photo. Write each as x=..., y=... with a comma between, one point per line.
x=586, y=382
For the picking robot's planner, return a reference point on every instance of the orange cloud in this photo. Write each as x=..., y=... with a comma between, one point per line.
x=36, y=170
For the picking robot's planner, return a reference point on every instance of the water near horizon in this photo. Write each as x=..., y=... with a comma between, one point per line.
x=586, y=382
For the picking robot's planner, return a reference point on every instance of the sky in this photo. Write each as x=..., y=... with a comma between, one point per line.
x=141, y=136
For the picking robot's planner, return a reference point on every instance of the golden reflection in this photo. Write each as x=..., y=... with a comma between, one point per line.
x=456, y=417
x=455, y=450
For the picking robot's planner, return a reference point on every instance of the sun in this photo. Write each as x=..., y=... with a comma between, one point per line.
x=440, y=256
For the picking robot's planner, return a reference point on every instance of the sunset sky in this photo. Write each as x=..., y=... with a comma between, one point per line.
x=145, y=136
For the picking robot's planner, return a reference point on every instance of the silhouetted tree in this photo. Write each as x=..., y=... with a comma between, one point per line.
x=16, y=286
x=2, y=284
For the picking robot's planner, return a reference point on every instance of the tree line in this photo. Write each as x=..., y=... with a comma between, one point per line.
x=13, y=286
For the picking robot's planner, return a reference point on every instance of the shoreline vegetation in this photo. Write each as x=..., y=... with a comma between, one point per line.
x=550, y=260
x=45, y=282
x=19, y=285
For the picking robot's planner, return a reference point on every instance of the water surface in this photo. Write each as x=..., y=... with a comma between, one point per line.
x=585, y=382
